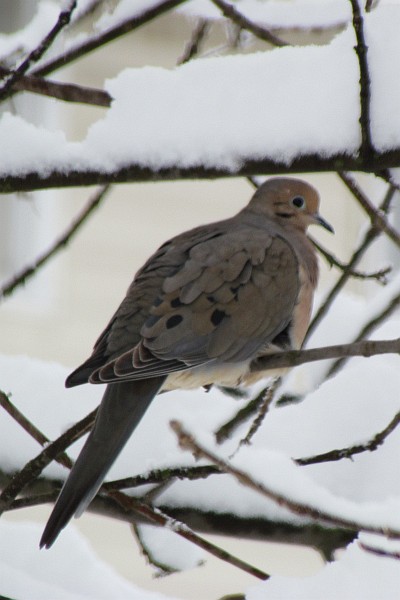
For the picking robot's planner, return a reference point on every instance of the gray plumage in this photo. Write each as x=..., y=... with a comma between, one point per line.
x=201, y=309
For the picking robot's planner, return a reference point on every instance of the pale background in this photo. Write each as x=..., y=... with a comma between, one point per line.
x=59, y=315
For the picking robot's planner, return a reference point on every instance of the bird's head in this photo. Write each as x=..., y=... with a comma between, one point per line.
x=290, y=202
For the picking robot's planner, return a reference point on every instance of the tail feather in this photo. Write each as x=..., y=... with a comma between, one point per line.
x=122, y=407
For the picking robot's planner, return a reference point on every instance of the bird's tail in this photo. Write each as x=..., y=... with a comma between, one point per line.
x=122, y=407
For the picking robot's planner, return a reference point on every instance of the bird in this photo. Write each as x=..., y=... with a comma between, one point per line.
x=201, y=311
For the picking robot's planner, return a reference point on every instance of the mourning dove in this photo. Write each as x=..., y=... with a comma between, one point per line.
x=201, y=310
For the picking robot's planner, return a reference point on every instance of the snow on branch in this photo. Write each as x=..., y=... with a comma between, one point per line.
x=266, y=112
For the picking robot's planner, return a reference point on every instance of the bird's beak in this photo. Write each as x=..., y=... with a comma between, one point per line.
x=318, y=220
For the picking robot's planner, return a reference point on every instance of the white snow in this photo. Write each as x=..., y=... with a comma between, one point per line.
x=355, y=575
x=73, y=573
x=169, y=549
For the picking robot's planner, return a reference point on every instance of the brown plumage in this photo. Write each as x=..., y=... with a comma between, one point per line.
x=201, y=309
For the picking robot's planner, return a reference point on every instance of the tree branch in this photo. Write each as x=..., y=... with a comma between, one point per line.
x=231, y=13
x=199, y=34
x=109, y=35
x=36, y=54
x=377, y=219
x=34, y=467
x=226, y=430
x=30, y=428
x=21, y=278
x=267, y=399
x=367, y=330
x=67, y=92
x=332, y=261
x=325, y=540
x=155, y=515
x=187, y=442
x=369, y=237
x=134, y=172
x=370, y=446
x=293, y=358
x=366, y=149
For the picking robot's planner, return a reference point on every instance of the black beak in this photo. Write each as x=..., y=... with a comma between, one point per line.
x=320, y=221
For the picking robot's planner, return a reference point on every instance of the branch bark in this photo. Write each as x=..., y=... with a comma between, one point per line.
x=134, y=172
x=293, y=358
x=187, y=442
x=36, y=54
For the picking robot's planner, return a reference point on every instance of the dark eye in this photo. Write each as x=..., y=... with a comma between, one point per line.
x=298, y=202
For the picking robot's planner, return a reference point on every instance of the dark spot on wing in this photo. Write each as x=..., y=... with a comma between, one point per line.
x=176, y=303
x=174, y=321
x=217, y=316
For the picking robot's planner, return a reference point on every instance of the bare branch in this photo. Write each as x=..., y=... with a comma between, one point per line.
x=67, y=92
x=30, y=428
x=135, y=172
x=36, y=54
x=227, y=429
x=380, y=275
x=376, y=217
x=192, y=49
x=158, y=476
x=326, y=540
x=156, y=516
x=293, y=358
x=21, y=278
x=379, y=551
x=109, y=35
x=187, y=442
x=267, y=399
x=162, y=568
x=369, y=237
x=366, y=149
x=367, y=330
x=34, y=467
x=369, y=446
x=230, y=12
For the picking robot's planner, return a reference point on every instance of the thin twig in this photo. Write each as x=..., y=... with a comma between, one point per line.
x=379, y=276
x=227, y=429
x=372, y=233
x=158, y=517
x=21, y=278
x=361, y=49
x=376, y=217
x=379, y=551
x=84, y=48
x=370, y=446
x=268, y=397
x=367, y=329
x=158, y=476
x=34, y=467
x=162, y=568
x=63, y=19
x=192, y=48
x=230, y=12
x=187, y=442
x=30, y=428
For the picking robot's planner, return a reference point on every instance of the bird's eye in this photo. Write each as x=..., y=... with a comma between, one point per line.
x=298, y=202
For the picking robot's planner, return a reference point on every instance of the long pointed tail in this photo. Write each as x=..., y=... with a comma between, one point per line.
x=122, y=407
